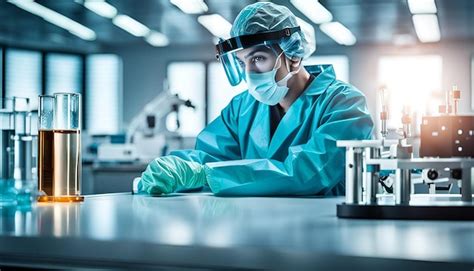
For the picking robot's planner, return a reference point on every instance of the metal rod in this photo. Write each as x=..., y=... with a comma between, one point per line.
x=371, y=176
x=354, y=163
x=402, y=186
x=466, y=188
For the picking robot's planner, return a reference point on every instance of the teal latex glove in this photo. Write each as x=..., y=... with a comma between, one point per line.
x=166, y=174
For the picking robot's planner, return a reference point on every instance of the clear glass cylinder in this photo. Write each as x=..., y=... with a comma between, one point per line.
x=21, y=108
x=45, y=112
x=24, y=172
x=7, y=189
x=23, y=148
x=67, y=166
x=6, y=114
x=59, y=147
x=67, y=111
x=7, y=131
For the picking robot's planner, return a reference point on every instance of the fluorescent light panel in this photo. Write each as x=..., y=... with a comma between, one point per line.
x=157, y=39
x=101, y=8
x=216, y=24
x=422, y=6
x=339, y=33
x=190, y=6
x=131, y=25
x=56, y=18
x=427, y=27
x=313, y=10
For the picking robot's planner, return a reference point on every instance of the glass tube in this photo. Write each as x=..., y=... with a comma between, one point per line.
x=66, y=148
x=45, y=144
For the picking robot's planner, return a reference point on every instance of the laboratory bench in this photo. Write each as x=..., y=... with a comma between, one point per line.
x=202, y=231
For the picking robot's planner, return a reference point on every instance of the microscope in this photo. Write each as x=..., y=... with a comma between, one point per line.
x=147, y=135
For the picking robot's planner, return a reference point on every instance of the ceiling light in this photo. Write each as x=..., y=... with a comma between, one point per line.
x=338, y=33
x=190, y=6
x=157, y=39
x=422, y=6
x=101, y=8
x=56, y=18
x=313, y=10
x=131, y=25
x=216, y=24
x=427, y=27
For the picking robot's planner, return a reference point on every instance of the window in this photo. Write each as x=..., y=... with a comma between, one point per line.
x=64, y=73
x=104, y=92
x=413, y=81
x=187, y=79
x=339, y=62
x=23, y=75
x=220, y=91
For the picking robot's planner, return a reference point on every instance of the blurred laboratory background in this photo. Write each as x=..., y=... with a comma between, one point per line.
x=129, y=59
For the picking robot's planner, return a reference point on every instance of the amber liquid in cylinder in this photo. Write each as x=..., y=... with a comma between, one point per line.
x=62, y=166
x=45, y=161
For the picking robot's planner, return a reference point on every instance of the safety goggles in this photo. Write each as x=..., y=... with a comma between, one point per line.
x=260, y=57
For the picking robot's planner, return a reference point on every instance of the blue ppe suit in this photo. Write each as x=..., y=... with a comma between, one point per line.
x=301, y=158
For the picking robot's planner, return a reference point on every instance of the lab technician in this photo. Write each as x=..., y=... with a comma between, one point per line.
x=279, y=137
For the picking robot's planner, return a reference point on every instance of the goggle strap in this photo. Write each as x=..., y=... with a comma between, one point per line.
x=245, y=41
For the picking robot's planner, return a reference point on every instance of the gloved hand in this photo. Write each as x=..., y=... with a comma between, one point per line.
x=166, y=174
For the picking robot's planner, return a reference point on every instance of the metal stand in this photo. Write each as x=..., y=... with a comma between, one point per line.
x=363, y=166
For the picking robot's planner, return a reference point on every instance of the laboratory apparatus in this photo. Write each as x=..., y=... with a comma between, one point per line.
x=7, y=190
x=147, y=135
x=384, y=179
x=6, y=138
x=62, y=146
x=23, y=148
x=18, y=181
x=45, y=144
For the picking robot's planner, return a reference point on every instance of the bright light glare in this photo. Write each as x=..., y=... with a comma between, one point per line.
x=131, y=25
x=190, y=6
x=216, y=24
x=157, y=39
x=55, y=18
x=313, y=10
x=339, y=33
x=427, y=27
x=101, y=8
x=413, y=81
x=422, y=6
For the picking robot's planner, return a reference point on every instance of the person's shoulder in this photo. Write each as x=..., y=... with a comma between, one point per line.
x=339, y=87
x=239, y=102
x=243, y=98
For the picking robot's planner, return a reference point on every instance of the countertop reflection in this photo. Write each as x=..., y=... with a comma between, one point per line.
x=288, y=225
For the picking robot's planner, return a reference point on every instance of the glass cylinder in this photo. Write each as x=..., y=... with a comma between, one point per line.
x=7, y=131
x=7, y=189
x=24, y=172
x=22, y=115
x=23, y=148
x=66, y=147
x=45, y=144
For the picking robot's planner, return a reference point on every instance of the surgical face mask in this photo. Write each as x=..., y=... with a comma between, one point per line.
x=264, y=88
